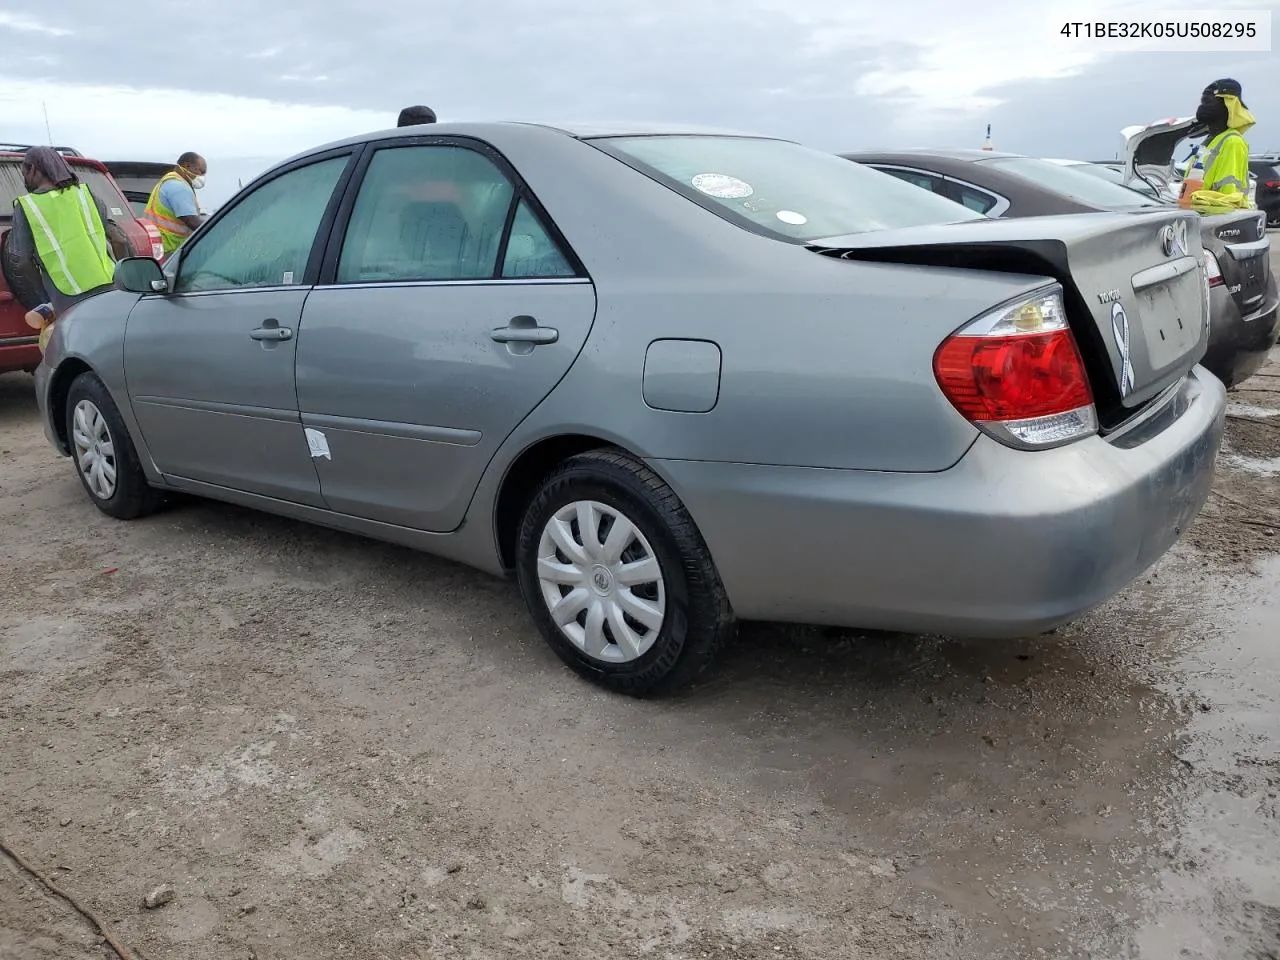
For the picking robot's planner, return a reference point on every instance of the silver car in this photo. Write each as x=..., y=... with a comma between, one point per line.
x=669, y=379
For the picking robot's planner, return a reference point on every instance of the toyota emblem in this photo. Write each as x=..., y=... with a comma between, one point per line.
x=1173, y=238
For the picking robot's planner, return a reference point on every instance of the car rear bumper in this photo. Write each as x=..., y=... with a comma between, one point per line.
x=1006, y=543
x=1239, y=343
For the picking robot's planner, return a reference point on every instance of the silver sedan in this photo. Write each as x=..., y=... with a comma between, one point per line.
x=669, y=379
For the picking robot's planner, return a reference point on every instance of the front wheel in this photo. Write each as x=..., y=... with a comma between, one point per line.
x=104, y=455
x=618, y=578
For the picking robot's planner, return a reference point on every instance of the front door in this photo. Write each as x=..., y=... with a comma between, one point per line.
x=453, y=310
x=210, y=366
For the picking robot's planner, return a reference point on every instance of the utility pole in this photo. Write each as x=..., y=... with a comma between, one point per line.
x=48, y=131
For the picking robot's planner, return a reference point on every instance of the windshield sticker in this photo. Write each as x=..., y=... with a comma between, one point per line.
x=722, y=187
x=791, y=217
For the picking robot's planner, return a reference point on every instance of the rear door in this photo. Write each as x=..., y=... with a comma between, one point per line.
x=210, y=366
x=451, y=308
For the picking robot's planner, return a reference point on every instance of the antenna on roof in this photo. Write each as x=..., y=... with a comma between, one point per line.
x=48, y=132
x=986, y=144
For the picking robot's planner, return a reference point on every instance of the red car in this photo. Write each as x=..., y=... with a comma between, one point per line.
x=19, y=349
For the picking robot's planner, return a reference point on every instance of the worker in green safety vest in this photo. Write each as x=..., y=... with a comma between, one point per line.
x=1217, y=179
x=61, y=235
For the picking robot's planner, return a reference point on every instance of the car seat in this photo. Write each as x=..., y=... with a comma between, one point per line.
x=434, y=232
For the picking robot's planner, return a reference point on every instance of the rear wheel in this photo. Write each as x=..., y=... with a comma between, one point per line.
x=618, y=578
x=103, y=453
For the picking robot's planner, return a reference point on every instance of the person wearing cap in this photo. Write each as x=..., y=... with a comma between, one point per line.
x=1218, y=178
x=62, y=238
x=413, y=116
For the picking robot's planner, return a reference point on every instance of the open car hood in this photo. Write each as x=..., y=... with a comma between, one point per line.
x=1149, y=150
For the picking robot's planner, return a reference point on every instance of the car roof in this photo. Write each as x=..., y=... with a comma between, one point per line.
x=580, y=131
x=932, y=153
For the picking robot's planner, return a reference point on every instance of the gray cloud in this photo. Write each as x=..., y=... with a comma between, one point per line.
x=749, y=66
x=1080, y=117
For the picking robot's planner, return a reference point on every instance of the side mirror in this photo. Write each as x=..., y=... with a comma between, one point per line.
x=141, y=275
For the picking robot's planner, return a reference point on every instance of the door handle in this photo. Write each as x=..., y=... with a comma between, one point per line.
x=526, y=335
x=525, y=330
x=271, y=330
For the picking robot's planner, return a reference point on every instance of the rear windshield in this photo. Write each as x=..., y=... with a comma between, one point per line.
x=782, y=189
x=11, y=188
x=1074, y=183
x=1112, y=175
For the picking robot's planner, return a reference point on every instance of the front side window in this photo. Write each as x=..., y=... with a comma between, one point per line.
x=1073, y=183
x=782, y=189
x=265, y=240
x=426, y=213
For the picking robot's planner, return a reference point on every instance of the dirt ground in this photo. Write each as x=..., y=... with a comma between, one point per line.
x=336, y=748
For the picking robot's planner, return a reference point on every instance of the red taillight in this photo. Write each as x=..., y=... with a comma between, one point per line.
x=1013, y=378
x=157, y=244
x=1273, y=184
x=1018, y=374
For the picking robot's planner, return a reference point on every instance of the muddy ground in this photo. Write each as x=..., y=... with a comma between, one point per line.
x=336, y=748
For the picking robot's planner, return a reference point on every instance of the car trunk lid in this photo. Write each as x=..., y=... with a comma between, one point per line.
x=1134, y=285
x=1149, y=149
x=1240, y=244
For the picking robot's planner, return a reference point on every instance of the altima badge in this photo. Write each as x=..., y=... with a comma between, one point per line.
x=1120, y=328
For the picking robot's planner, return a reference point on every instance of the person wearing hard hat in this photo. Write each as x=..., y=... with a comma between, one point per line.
x=1218, y=178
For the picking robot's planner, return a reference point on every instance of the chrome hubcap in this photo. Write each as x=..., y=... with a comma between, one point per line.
x=601, y=581
x=95, y=452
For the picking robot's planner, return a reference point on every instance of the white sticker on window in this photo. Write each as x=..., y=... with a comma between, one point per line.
x=317, y=443
x=288, y=276
x=722, y=187
x=790, y=216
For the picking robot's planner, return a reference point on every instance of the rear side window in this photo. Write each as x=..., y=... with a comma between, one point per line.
x=531, y=252
x=426, y=213
x=973, y=198
x=782, y=189
x=12, y=187
x=922, y=180
x=102, y=188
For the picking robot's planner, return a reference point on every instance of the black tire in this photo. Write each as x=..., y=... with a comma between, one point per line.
x=23, y=279
x=698, y=618
x=132, y=496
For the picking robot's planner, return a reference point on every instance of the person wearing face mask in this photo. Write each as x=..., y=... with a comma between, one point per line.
x=172, y=206
x=62, y=243
x=1217, y=179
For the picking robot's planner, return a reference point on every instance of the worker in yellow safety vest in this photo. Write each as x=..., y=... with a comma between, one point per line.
x=62, y=238
x=172, y=207
x=1217, y=180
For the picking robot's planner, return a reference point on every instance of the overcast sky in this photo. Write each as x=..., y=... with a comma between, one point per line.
x=249, y=83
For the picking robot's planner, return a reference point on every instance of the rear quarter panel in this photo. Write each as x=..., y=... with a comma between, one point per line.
x=823, y=363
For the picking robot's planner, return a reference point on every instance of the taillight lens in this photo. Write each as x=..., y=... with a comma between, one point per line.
x=1017, y=374
x=157, y=244
x=1212, y=272
x=1272, y=184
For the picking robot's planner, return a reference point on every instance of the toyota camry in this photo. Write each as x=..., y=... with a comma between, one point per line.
x=667, y=379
